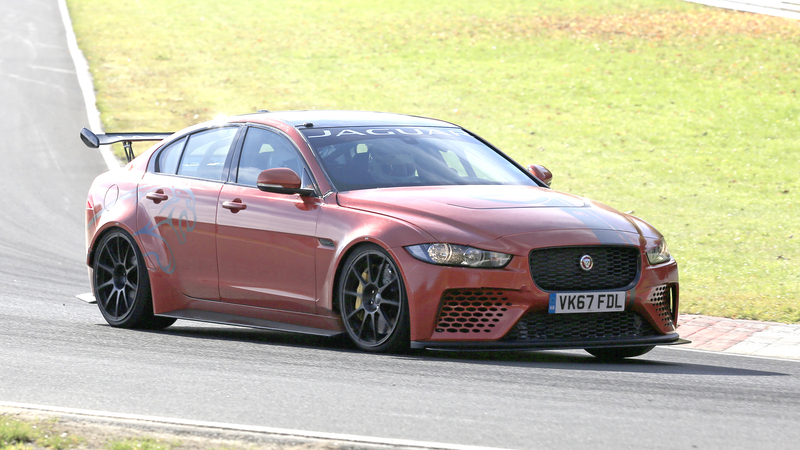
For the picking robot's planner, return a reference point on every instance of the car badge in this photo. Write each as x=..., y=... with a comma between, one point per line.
x=586, y=263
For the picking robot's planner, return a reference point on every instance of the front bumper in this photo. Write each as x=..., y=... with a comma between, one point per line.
x=459, y=308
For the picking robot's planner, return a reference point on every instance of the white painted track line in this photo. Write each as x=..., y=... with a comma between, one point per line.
x=786, y=9
x=87, y=85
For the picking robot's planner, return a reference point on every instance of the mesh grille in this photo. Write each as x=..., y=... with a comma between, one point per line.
x=661, y=298
x=558, y=269
x=580, y=326
x=471, y=310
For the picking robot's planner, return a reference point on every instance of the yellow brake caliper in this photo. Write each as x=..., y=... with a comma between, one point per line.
x=360, y=292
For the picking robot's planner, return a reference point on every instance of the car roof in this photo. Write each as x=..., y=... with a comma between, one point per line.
x=336, y=119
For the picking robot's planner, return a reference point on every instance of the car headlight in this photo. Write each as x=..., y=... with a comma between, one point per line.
x=659, y=254
x=458, y=255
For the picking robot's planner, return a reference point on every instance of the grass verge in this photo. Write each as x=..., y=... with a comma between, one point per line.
x=16, y=434
x=685, y=114
x=36, y=430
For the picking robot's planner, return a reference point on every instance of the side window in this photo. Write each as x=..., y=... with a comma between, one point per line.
x=205, y=153
x=264, y=149
x=169, y=157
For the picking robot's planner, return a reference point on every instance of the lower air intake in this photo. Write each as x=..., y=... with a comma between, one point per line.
x=564, y=327
x=662, y=298
x=471, y=310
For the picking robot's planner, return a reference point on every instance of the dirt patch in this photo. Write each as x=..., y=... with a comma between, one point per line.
x=677, y=25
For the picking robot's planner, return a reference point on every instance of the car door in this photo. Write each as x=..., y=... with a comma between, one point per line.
x=177, y=210
x=266, y=242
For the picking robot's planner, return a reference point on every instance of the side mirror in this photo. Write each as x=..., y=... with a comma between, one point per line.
x=282, y=181
x=541, y=173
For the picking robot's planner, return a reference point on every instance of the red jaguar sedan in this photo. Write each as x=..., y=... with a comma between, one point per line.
x=400, y=231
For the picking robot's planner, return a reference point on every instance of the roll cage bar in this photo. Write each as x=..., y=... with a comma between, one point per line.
x=96, y=140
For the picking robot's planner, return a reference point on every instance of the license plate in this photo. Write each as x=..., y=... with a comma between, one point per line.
x=586, y=302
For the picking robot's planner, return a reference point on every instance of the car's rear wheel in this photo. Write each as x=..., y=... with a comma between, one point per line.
x=121, y=284
x=373, y=302
x=612, y=353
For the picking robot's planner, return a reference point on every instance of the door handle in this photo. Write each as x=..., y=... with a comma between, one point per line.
x=234, y=206
x=157, y=196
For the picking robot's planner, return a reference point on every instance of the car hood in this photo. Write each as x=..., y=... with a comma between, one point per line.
x=472, y=214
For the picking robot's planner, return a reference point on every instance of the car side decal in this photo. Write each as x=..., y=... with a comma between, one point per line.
x=180, y=216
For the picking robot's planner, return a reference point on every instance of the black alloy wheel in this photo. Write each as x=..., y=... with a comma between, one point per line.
x=612, y=353
x=373, y=301
x=121, y=284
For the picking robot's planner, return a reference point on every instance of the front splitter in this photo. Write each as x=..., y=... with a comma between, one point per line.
x=550, y=344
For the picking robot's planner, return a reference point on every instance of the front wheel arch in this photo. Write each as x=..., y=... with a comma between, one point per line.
x=353, y=246
x=371, y=297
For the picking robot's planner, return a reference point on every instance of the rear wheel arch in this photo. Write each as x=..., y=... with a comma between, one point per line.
x=121, y=282
x=100, y=234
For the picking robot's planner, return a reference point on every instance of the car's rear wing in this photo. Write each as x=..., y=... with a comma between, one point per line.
x=96, y=140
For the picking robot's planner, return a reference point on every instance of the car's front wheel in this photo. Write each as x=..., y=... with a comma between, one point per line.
x=612, y=353
x=373, y=302
x=121, y=284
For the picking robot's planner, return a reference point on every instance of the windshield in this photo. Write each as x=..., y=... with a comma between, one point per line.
x=370, y=157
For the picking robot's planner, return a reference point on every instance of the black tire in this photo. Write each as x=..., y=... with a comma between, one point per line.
x=372, y=299
x=121, y=284
x=612, y=353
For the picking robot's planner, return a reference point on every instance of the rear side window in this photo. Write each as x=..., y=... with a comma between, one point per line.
x=206, y=152
x=169, y=157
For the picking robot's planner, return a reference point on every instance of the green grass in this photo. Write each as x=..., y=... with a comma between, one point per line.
x=14, y=433
x=685, y=114
x=20, y=435
x=139, y=444
x=27, y=433
x=23, y=430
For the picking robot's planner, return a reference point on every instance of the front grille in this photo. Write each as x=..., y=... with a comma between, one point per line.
x=559, y=269
x=542, y=326
x=471, y=310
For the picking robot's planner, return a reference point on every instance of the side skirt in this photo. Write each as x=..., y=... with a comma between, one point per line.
x=231, y=319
